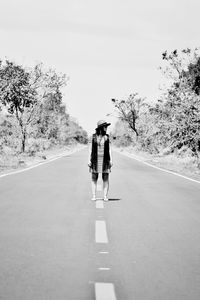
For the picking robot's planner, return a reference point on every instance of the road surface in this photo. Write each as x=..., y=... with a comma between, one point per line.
x=55, y=243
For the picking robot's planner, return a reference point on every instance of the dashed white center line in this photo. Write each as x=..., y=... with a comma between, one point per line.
x=104, y=291
x=99, y=204
x=100, y=232
x=99, y=186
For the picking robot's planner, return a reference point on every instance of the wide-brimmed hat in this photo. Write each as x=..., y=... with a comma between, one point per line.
x=102, y=123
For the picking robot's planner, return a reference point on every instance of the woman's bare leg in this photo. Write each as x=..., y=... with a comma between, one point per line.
x=94, y=185
x=105, y=177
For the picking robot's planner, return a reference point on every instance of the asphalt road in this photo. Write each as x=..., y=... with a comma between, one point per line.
x=55, y=243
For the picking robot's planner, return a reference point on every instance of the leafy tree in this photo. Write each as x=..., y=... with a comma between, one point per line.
x=179, y=110
x=76, y=133
x=49, y=97
x=194, y=74
x=17, y=95
x=174, y=120
x=30, y=94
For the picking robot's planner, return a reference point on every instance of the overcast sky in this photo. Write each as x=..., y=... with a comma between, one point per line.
x=108, y=48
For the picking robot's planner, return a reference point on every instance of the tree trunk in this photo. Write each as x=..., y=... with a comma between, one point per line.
x=23, y=141
x=132, y=126
x=23, y=132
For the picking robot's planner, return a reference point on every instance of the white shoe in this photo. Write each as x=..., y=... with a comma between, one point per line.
x=105, y=198
x=93, y=198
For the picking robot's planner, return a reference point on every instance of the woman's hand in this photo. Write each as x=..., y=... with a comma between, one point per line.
x=89, y=164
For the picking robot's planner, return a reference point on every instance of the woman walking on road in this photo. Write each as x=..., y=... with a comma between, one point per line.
x=100, y=158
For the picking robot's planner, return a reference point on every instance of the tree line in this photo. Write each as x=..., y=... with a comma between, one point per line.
x=172, y=122
x=32, y=112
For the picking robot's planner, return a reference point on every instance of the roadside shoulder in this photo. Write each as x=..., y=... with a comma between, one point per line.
x=27, y=163
x=170, y=164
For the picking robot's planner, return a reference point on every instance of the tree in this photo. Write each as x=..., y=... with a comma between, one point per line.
x=48, y=87
x=27, y=93
x=121, y=134
x=75, y=132
x=17, y=95
x=129, y=110
x=194, y=75
x=180, y=110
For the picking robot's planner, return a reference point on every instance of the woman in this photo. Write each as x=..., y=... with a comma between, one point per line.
x=100, y=158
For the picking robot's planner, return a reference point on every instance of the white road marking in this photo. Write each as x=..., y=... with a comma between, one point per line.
x=100, y=232
x=104, y=269
x=161, y=169
x=99, y=186
x=103, y=252
x=99, y=204
x=104, y=291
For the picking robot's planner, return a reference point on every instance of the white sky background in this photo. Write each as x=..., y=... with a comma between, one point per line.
x=108, y=48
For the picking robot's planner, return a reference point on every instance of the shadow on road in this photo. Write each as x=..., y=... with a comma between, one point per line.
x=114, y=199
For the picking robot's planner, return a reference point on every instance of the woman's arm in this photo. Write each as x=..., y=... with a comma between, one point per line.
x=111, y=156
x=89, y=154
